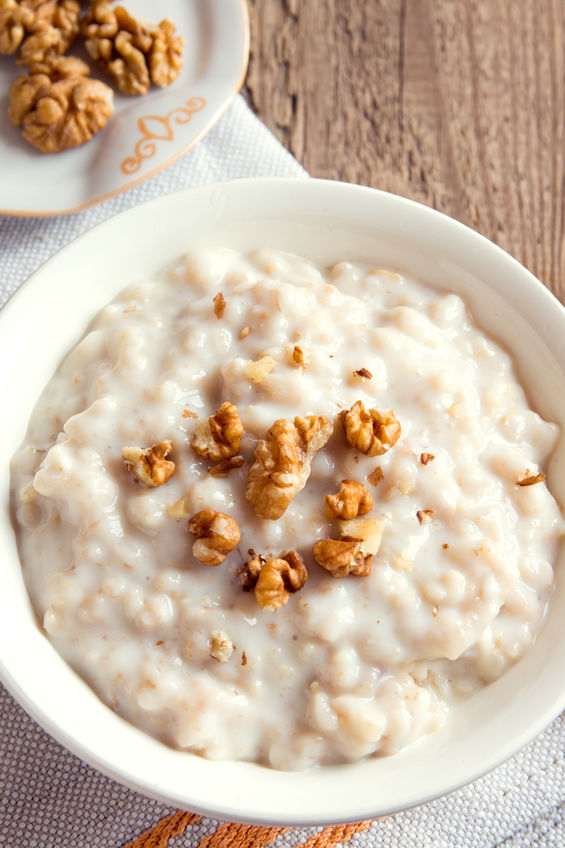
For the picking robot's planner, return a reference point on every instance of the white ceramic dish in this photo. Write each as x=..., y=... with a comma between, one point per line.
x=326, y=222
x=145, y=134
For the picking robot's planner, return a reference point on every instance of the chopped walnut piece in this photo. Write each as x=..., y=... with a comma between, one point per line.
x=187, y=413
x=216, y=535
x=50, y=31
x=221, y=646
x=223, y=468
x=15, y=19
x=219, y=436
x=248, y=574
x=219, y=305
x=532, y=479
x=369, y=431
x=258, y=370
x=133, y=52
x=150, y=465
x=424, y=515
x=363, y=372
x=57, y=105
x=244, y=658
x=298, y=356
x=353, y=499
x=426, y=457
x=375, y=477
x=278, y=579
x=367, y=531
x=165, y=59
x=282, y=463
x=342, y=557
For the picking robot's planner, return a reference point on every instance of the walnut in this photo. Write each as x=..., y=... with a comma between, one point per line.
x=219, y=436
x=425, y=458
x=375, y=477
x=364, y=373
x=15, y=20
x=258, y=369
x=165, y=59
x=219, y=305
x=248, y=574
x=150, y=466
x=282, y=463
x=216, y=535
x=221, y=646
x=369, y=431
x=532, y=479
x=424, y=515
x=353, y=499
x=58, y=105
x=274, y=579
x=134, y=53
x=223, y=468
x=51, y=32
x=367, y=531
x=342, y=557
x=298, y=356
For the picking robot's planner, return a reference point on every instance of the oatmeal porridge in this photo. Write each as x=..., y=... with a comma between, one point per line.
x=285, y=514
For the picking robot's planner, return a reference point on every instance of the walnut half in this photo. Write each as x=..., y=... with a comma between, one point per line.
x=135, y=53
x=57, y=105
x=274, y=580
x=219, y=436
x=369, y=431
x=150, y=465
x=353, y=499
x=216, y=535
x=282, y=463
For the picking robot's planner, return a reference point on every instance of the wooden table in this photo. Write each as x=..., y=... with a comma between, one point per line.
x=459, y=104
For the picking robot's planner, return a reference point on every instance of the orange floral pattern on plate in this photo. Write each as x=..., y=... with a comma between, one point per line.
x=154, y=128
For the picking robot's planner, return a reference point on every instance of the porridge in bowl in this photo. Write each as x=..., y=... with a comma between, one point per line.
x=286, y=514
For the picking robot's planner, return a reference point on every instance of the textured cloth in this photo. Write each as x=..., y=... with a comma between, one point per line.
x=50, y=799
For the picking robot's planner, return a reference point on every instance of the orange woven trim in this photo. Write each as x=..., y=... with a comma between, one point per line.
x=165, y=830
x=241, y=836
x=335, y=835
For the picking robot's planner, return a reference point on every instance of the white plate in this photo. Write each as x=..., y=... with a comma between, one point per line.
x=145, y=134
x=326, y=222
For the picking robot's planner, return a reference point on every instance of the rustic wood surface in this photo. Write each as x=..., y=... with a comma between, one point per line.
x=459, y=104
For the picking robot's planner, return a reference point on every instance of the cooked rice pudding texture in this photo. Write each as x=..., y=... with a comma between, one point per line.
x=240, y=638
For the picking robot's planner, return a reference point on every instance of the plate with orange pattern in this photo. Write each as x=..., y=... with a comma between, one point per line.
x=145, y=134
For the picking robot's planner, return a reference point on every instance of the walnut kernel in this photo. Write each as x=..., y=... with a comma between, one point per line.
x=221, y=646
x=342, y=557
x=279, y=578
x=219, y=305
x=150, y=465
x=216, y=535
x=219, y=436
x=369, y=431
x=282, y=463
x=51, y=31
x=57, y=105
x=367, y=531
x=134, y=53
x=425, y=458
x=532, y=479
x=353, y=499
x=223, y=468
x=15, y=19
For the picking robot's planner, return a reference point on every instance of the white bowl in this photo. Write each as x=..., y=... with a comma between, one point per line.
x=326, y=222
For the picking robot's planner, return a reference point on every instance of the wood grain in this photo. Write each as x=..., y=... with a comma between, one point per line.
x=459, y=104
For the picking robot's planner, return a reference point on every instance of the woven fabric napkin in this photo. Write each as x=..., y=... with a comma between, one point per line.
x=50, y=799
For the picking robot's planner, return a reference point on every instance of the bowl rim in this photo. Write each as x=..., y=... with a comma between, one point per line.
x=225, y=809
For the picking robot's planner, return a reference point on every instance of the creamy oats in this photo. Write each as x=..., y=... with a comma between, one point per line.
x=349, y=666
